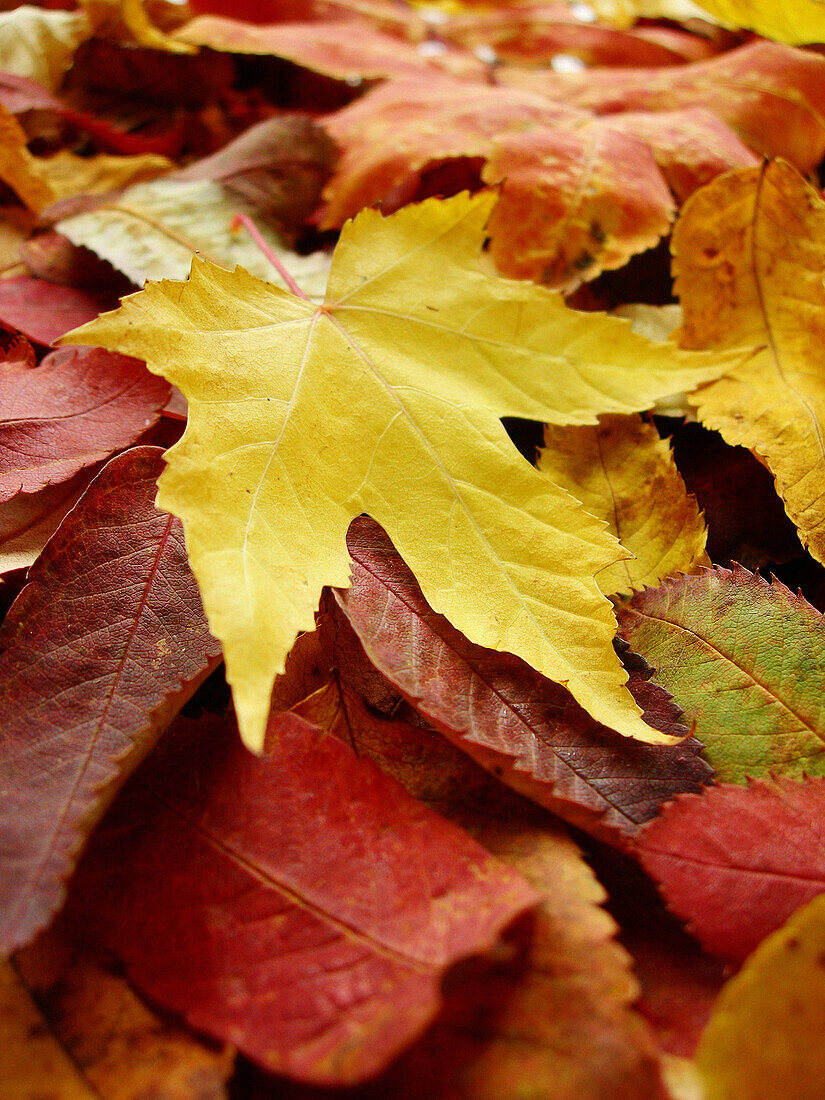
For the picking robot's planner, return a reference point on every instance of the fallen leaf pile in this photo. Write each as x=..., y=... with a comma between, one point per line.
x=411, y=550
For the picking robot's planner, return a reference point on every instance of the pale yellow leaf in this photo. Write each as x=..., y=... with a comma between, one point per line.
x=40, y=45
x=793, y=21
x=387, y=400
x=624, y=13
x=764, y=1039
x=153, y=229
x=659, y=323
x=624, y=474
x=749, y=255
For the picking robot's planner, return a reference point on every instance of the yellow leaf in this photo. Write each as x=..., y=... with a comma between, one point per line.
x=749, y=257
x=386, y=400
x=18, y=168
x=764, y=1039
x=70, y=175
x=624, y=474
x=792, y=21
x=40, y=45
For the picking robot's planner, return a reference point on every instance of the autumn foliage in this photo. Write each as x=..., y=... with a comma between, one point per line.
x=411, y=550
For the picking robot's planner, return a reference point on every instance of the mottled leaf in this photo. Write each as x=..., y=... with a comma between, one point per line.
x=764, y=1038
x=525, y=729
x=74, y=410
x=735, y=862
x=624, y=473
x=748, y=263
x=745, y=659
x=326, y=899
x=40, y=45
x=574, y=203
x=100, y=649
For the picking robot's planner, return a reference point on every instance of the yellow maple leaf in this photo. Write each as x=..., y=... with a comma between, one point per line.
x=748, y=256
x=386, y=399
x=625, y=474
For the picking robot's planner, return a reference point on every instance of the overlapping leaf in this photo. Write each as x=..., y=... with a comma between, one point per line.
x=99, y=651
x=44, y=311
x=552, y=1019
x=764, y=1036
x=745, y=659
x=796, y=21
x=524, y=729
x=748, y=88
x=153, y=230
x=748, y=260
x=329, y=901
x=624, y=473
x=386, y=399
x=74, y=410
x=735, y=862
x=28, y=522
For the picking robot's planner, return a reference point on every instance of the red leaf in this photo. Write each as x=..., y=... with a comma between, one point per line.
x=28, y=521
x=735, y=862
x=301, y=906
x=100, y=649
x=523, y=728
x=77, y=408
x=43, y=311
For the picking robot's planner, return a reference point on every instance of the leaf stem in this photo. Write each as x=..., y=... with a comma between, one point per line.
x=255, y=234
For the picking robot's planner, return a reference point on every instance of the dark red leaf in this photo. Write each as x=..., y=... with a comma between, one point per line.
x=97, y=654
x=77, y=408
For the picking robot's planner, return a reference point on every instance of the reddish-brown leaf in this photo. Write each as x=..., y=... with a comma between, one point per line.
x=523, y=728
x=74, y=410
x=749, y=88
x=43, y=311
x=99, y=651
x=735, y=862
x=301, y=906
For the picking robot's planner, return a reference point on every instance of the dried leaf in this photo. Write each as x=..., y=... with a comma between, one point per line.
x=28, y=522
x=69, y=175
x=551, y=1020
x=748, y=88
x=763, y=1039
x=748, y=261
x=386, y=400
x=745, y=659
x=624, y=473
x=524, y=729
x=44, y=311
x=18, y=168
x=735, y=862
x=122, y=1049
x=39, y=45
x=349, y=51
x=101, y=648
x=326, y=899
x=33, y=1064
x=574, y=203
x=74, y=410
x=153, y=230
